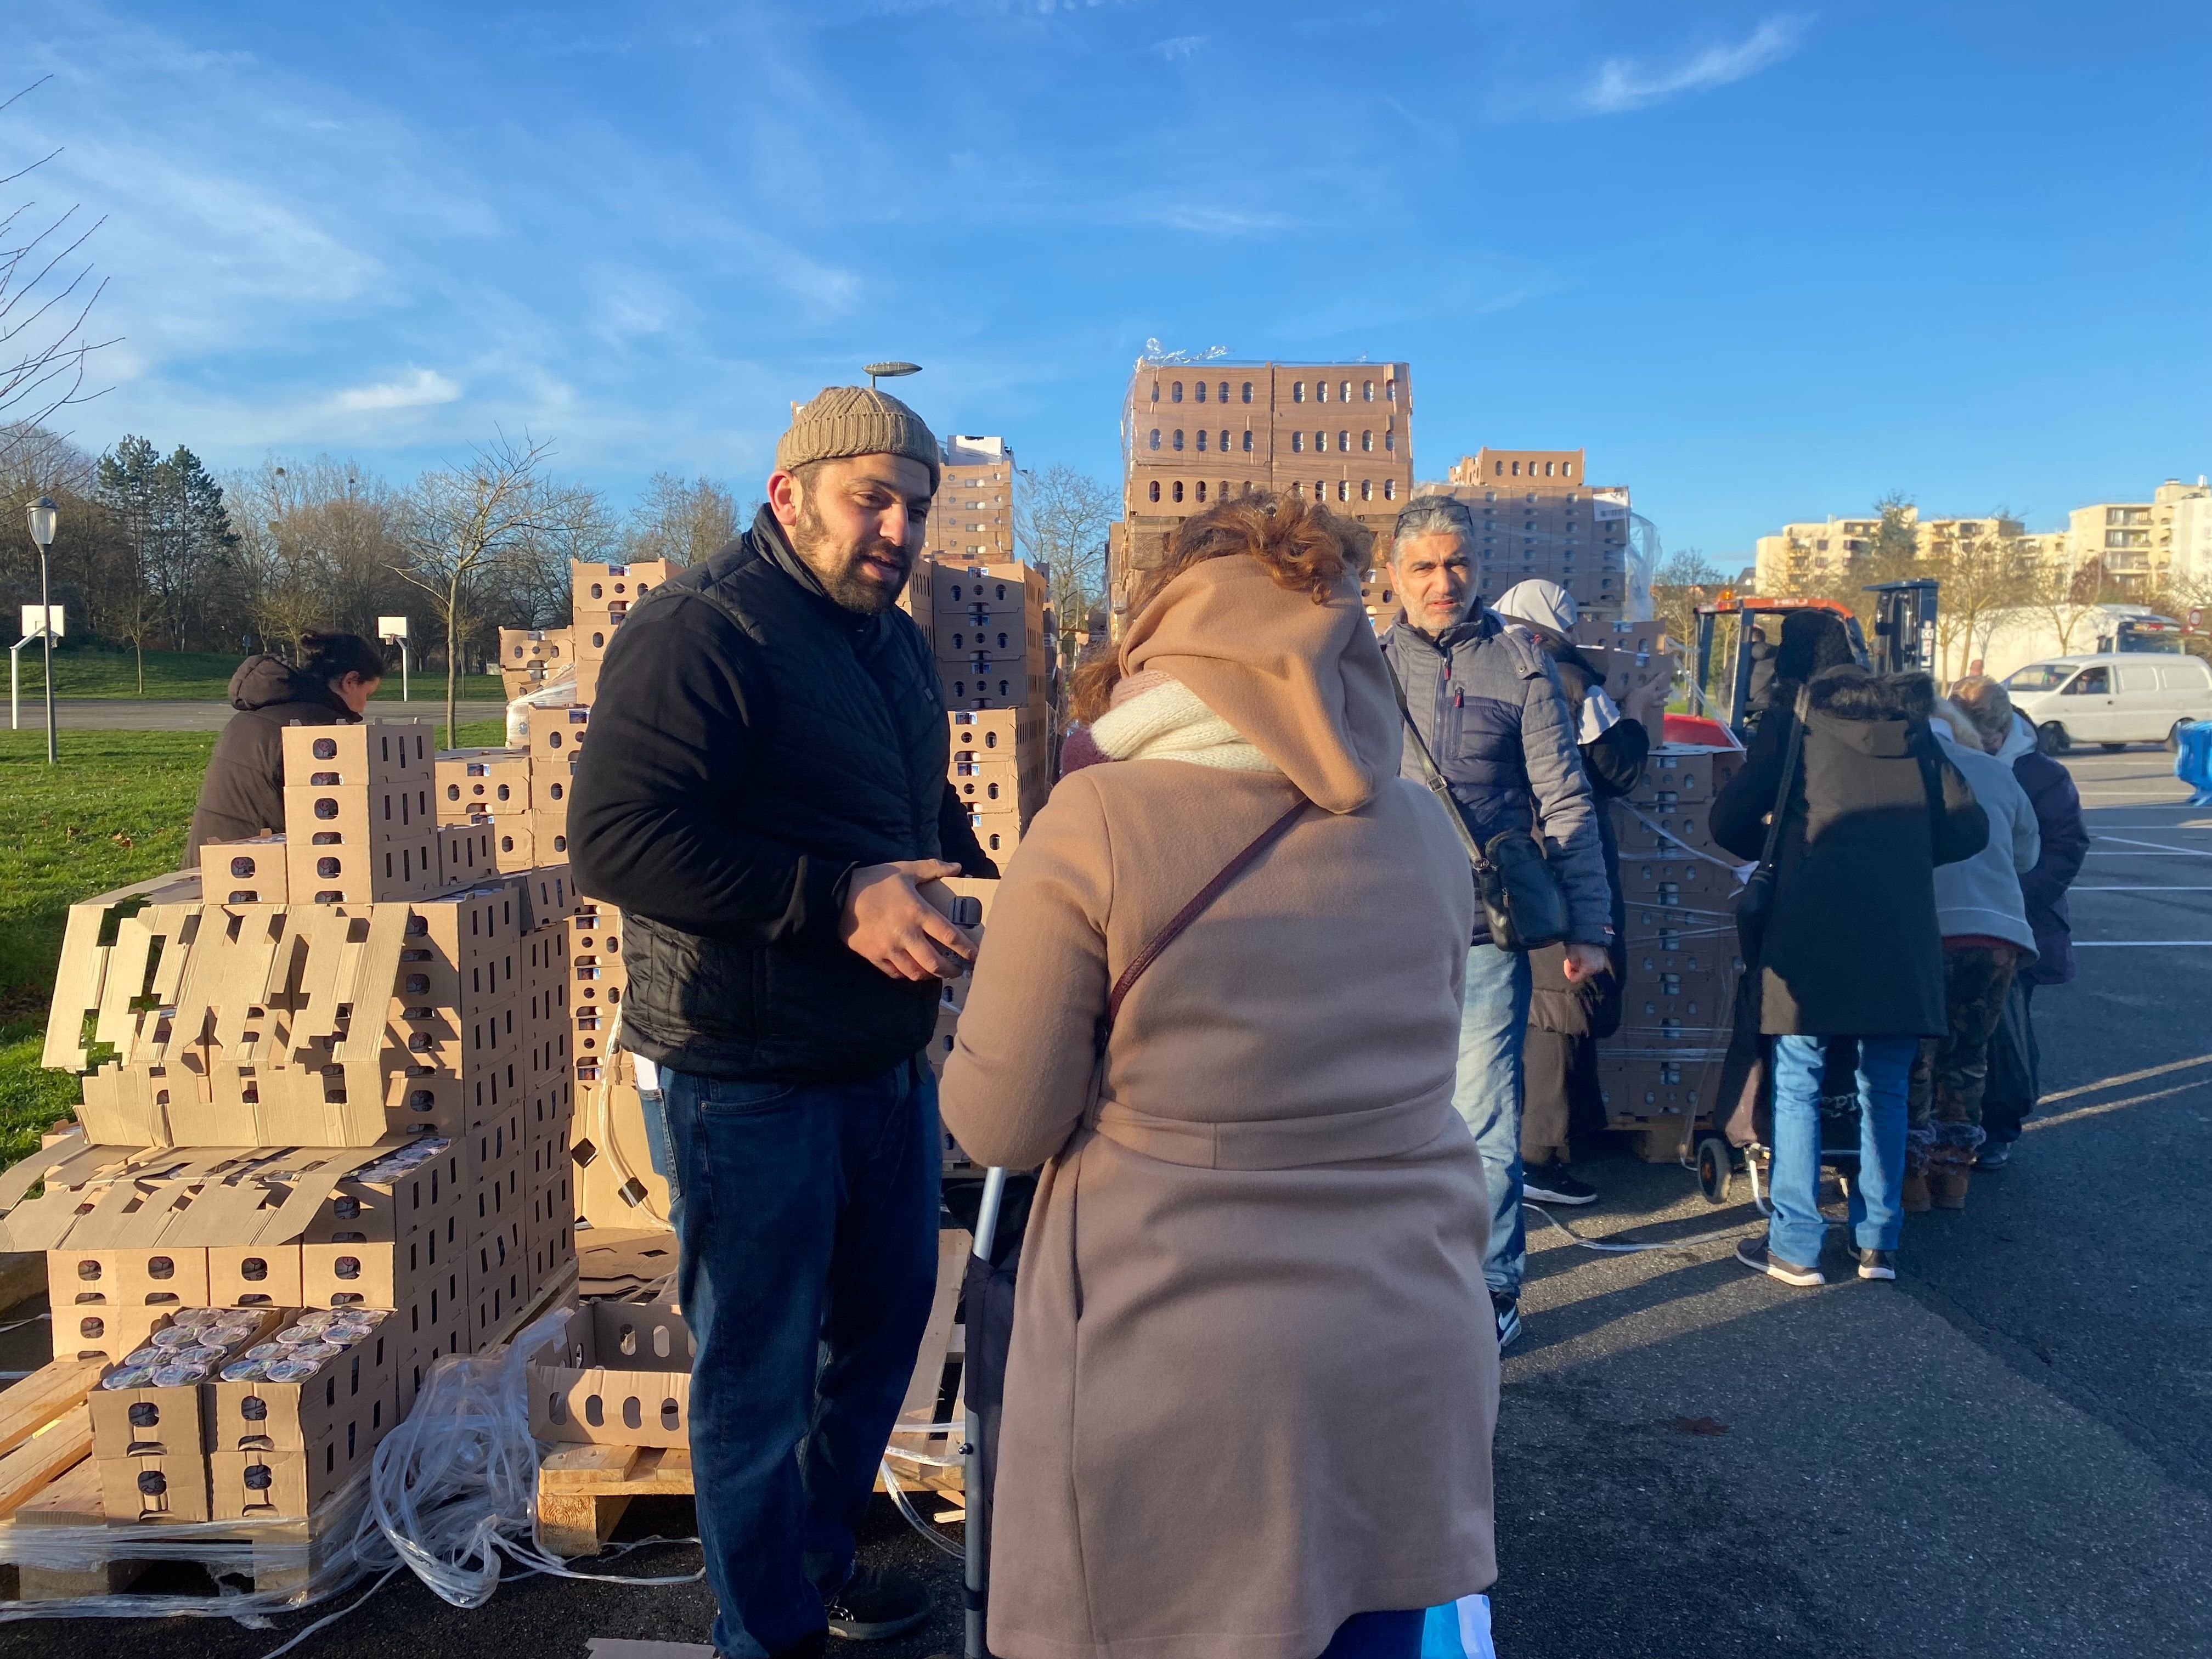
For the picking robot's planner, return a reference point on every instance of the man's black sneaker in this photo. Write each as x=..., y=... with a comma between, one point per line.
x=875, y=1606
x=1994, y=1155
x=1753, y=1253
x=1877, y=1264
x=1552, y=1184
x=1508, y=1311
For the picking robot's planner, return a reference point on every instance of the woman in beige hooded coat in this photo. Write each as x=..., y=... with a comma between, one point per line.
x=1254, y=1373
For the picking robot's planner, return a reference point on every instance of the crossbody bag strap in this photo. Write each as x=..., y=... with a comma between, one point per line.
x=1433, y=775
x=1191, y=912
x=1789, y=754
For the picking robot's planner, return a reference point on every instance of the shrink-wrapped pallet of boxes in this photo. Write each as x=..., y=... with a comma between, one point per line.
x=327, y=1091
x=1660, y=1071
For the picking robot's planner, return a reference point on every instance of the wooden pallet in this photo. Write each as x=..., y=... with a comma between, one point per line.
x=583, y=1490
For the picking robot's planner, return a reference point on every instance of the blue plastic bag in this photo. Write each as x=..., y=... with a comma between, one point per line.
x=2193, y=764
x=1461, y=1631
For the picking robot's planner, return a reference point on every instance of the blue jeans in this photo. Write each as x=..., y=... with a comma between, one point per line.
x=1487, y=1091
x=1885, y=1066
x=806, y=1218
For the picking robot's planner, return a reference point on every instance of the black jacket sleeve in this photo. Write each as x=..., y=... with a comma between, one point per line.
x=1615, y=761
x=956, y=839
x=682, y=709
x=2065, y=837
x=1738, y=820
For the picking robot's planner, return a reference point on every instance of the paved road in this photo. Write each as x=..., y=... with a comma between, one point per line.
x=130, y=714
x=2009, y=1453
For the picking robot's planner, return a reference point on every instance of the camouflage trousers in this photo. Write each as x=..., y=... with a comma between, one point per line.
x=1944, y=1101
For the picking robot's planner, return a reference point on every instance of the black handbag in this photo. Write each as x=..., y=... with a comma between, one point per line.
x=1521, y=899
x=1755, y=905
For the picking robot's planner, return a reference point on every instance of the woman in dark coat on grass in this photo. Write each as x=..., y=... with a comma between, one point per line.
x=243, y=792
x=1851, y=948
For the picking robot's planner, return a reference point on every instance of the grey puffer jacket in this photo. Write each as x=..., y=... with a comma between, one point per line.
x=1489, y=704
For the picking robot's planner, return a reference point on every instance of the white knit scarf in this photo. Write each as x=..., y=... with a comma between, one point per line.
x=1167, y=721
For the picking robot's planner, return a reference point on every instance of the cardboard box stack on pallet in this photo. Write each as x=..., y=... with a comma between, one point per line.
x=532, y=659
x=1659, y=1072
x=327, y=1089
x=988, y=625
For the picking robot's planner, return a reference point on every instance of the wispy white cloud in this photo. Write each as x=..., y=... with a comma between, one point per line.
x=1180, y=47
x=1622, y=84
x=417, y=389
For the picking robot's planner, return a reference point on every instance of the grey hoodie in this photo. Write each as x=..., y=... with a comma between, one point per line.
x=1981, y=895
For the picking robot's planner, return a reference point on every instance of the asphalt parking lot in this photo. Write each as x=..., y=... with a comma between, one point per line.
x=2007, y=1453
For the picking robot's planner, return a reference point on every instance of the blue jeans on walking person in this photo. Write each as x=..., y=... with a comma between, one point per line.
x=806, y=1217
x=1487, y=1091
x=1796, y=1230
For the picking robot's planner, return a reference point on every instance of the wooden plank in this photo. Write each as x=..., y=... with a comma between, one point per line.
x=72, y=1500
x=575, y=1467
x=47, y=1393
x=50, y=1453
x=573, y=1524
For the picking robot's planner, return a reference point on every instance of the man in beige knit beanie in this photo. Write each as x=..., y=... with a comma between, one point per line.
x=764, y=795
x=852, y=486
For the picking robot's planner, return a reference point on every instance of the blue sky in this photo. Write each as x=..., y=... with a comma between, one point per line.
x=1763, y=263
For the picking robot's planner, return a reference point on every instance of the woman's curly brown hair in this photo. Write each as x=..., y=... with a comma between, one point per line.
x=1305, y=549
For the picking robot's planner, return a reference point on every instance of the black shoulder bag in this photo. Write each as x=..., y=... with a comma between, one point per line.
x=1755, y=905
x=1521, y=899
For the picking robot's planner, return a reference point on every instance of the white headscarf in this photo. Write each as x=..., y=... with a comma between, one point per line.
x=1546, y=604
x=1550, y=605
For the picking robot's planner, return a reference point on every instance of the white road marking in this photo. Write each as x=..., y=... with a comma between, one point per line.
x=2080, y=1112
x=2126, y=1078
x=2157, y=846
x=2138, y=943
x=2139, y=890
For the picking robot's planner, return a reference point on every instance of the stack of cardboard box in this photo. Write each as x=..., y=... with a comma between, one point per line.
x=601, y=596
x=331, y=1071
x=532, y=659
x=986, y=624
x=1659, y=1072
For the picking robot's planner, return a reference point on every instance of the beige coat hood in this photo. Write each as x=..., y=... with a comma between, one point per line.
x=1304, y=683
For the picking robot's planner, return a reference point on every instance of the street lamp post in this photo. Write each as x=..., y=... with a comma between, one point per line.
x=42, y=513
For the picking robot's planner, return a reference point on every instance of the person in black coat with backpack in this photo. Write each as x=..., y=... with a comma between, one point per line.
x=1850, y=948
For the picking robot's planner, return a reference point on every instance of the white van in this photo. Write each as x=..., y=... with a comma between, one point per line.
x=2129, y=697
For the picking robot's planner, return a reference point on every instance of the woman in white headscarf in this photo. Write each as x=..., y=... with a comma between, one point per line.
x=1567, y=1018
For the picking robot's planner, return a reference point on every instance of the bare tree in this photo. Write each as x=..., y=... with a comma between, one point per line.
x=1060, y=520
x=1979, y=576
x=45, y=296
x=683, y=522
x=467, y=526
x=1686, y=580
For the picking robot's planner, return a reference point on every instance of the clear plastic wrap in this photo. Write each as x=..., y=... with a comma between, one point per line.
x=451, y=1495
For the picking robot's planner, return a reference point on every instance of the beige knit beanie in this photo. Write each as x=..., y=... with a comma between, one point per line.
x=856, y=420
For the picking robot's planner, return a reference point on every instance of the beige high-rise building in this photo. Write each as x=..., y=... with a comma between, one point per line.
x=973, y=519
x=2189, y=548
x=1537, y=515
x=1194, y=433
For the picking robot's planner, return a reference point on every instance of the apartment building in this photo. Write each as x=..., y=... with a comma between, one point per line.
x=1818, y=550
x=2189, y=548
x=973, y=519
x=1195, y=434
x=1538, y=516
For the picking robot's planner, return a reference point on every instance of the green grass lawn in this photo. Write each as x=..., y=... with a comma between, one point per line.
x=199, y=676
x=112, y=811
